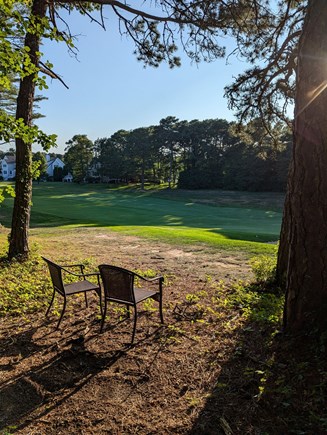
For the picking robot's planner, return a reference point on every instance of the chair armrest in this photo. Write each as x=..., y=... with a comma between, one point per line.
x=80, y=275
x=81, y=266
x=97, y=274
x=71, y=265
x=159, y=277
x=91, y=274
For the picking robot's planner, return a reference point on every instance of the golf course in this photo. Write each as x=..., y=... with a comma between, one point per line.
x=231, y=220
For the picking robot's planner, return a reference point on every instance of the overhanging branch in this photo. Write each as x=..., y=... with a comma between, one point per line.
x=46, y=70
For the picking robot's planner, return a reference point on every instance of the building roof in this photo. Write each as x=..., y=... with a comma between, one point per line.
x=51, y=162
x=10, y=159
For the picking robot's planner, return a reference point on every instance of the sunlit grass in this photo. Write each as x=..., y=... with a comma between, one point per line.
x=193, y=236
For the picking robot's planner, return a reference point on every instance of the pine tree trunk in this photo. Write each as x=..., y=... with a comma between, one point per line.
x=283, y=250
x=306, y=208
x=18, y=246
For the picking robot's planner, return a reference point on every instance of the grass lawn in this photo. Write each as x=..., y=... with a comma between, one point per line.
x=231, y=220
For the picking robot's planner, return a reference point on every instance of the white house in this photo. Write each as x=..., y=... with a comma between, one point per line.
x=52, y=164
x=8, y=167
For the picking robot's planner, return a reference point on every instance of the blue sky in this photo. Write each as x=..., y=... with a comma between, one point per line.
x=110, y=90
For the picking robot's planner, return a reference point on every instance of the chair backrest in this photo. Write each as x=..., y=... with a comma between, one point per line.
x=117, y=283
x=56, y=275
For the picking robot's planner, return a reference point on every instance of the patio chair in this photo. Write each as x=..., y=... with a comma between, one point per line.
x=118, y=285
x=72, y=288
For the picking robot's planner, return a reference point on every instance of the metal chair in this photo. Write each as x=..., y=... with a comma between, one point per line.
x=81, y=286
x=118, y=285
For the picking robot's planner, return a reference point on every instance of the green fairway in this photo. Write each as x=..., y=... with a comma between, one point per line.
x=172, y=216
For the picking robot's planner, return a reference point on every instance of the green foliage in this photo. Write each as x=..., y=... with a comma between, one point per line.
x=11, y=128
x=9, y=430
x=262, y=308
x=6, y=191
x=264, y=268
x=25, y=286
x=256, y=306
x=39, y=165
x=148, y=273
x=59, y=173
x=15, y=62
x=207, y=154
x=78, y=156
x=260, y=300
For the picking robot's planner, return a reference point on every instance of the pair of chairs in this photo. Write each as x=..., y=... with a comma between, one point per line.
x=118, y=286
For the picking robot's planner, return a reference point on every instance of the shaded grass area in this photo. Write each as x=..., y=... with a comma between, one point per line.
x=223, y=198
x=176, y=216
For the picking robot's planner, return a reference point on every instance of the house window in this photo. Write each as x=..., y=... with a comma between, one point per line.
x=5, y=172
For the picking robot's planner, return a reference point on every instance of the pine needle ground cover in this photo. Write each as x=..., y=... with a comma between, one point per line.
x=219, y=365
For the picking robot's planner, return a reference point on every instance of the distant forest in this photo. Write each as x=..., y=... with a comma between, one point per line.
x=209, y=154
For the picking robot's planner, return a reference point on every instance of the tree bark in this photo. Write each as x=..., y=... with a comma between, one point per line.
x=306, y=207
x=18, y=245
x=284, y=243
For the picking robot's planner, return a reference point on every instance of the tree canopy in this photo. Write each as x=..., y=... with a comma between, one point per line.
x=78, y=156
x=197, y=155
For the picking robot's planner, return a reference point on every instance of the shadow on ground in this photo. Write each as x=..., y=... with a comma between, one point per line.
x=278, y=390
x=63, y=375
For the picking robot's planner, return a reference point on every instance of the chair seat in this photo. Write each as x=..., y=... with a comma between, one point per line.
x=141, y=294
x=79, y=287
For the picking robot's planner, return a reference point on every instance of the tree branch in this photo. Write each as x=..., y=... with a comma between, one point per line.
x=46, y=70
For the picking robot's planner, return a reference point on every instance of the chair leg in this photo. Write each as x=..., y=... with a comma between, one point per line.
x=62, y=312
x=135, y=320
x=160, y=310
x=53, y=295
x=85, y=300
x=100, y=301
x=128, y=311
x=103, y=315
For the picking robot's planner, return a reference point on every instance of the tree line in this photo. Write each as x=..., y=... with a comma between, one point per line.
x=208, y=154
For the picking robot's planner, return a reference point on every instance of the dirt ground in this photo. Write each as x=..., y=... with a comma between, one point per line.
x=183, y=377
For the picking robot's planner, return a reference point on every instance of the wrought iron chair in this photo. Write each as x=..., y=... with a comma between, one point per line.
x=81, y=286
x=118, y=285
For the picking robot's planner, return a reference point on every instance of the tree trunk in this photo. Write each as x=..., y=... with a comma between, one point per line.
x=18, y=246
x=306, y=207
x=284, y=243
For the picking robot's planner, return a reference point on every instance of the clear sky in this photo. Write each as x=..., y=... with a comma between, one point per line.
x=110, y=90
